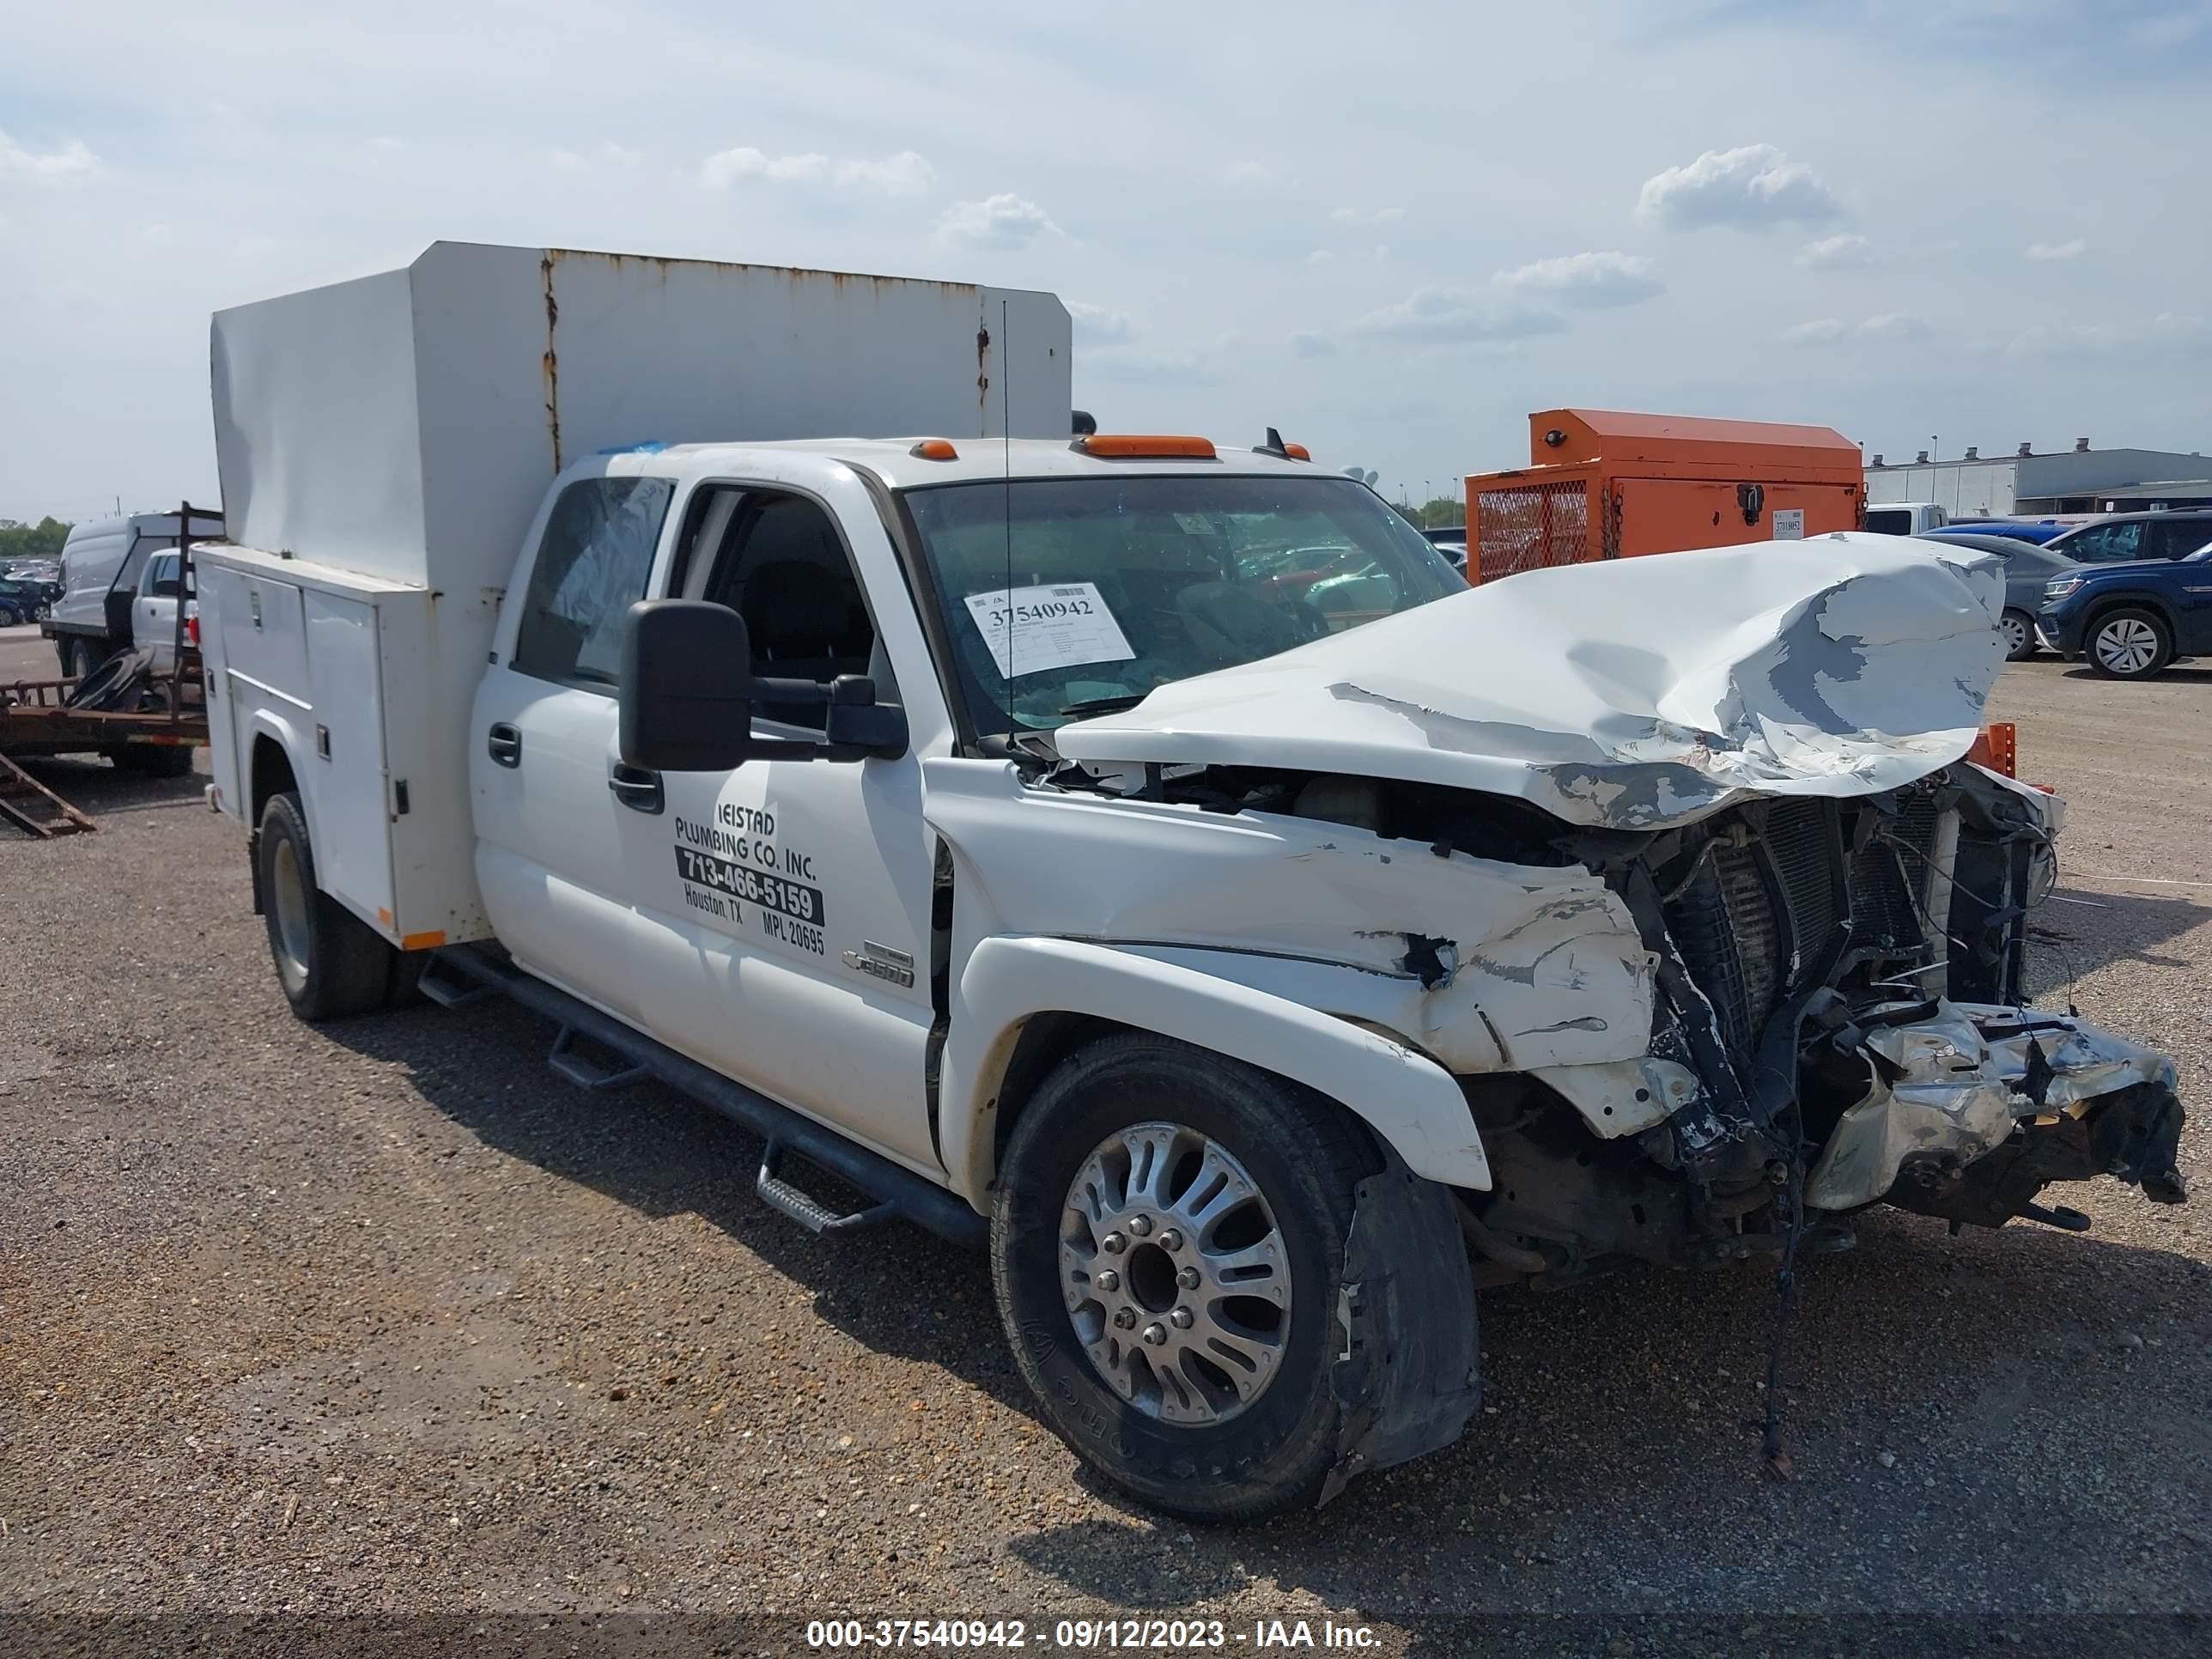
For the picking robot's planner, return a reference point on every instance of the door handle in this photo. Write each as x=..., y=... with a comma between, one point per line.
x=505, y=744
x=635, y=787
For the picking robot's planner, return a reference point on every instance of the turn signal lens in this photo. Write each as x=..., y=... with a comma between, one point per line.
x=934, y=449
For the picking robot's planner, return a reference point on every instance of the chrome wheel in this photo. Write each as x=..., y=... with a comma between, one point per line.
x=1175, y=1274
x=2014, y=629
x=290, y=898
x=2126, y=645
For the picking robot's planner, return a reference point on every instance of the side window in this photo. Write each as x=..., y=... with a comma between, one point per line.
x=2178, y=537
x=160, y=577
x=782, y=566
x=591, y=568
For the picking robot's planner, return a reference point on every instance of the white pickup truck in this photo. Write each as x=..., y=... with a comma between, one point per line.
x=1143, y=855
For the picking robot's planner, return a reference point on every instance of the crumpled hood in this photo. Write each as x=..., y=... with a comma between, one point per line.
x=1632, y=694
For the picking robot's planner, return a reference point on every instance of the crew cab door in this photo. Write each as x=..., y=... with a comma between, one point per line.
x=783, y=908
x=153, y=609
x=544, y=767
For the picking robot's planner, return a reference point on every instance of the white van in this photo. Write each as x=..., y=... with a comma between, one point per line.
x=1904, y=518
x=101, y=564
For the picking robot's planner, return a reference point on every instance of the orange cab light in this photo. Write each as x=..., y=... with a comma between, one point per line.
x=934, y=449
x=1298, y=452
x=1122, y=446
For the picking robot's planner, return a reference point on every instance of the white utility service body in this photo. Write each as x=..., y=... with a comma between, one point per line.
x=1393, y=936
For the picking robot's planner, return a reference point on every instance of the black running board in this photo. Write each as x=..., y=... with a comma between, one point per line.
x=899, y=1194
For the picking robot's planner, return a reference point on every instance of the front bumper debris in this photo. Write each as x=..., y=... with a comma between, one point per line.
x=1971, y=1111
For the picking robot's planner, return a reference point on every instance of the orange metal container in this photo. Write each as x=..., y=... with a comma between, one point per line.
x=1604, y=485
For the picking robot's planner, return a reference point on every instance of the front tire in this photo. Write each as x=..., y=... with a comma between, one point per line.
x=329, y=963
x=1198, y=1379
x=2130, y=644
x=2017, y=628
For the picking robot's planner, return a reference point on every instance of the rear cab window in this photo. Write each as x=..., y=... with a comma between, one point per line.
x=593, y=563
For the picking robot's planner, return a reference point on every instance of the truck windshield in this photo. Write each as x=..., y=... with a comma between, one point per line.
x=1070, y=597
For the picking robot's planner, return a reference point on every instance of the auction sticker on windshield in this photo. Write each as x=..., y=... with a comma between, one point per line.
x=1031, y=630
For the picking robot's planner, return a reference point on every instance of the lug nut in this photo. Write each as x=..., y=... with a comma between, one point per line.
x=1124, y=1318
x=1107, y=1279
x=1156, y=1332
x=1181, y=1318
x=1171, y=1240
x=1188, y=1279
x=1113, y=1244
x=1140, y=1224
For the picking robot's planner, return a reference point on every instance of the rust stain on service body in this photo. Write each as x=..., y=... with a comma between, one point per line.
x=551, y=368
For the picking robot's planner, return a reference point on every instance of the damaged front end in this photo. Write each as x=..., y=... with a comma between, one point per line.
x=1845, y=978
x=1827, y=1007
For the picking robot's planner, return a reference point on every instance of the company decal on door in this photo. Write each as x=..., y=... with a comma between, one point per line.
x=737, y=863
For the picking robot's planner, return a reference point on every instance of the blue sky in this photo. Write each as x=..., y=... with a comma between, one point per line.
x=1391, y=231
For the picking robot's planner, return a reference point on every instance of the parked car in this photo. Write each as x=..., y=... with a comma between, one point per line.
x=21, y=600
x=154, y=610
x=100, y=569
x=2028, y=568
x=1450, y=540
x=2129, y=621
x=2037, y=531
x=1905, y=518
x=2126, y=537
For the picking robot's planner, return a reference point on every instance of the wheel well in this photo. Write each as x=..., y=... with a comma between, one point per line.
x=1046, y=1039
x=2148, y=602
x=271, y=771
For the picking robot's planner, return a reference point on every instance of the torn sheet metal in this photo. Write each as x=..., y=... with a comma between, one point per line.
x=1485, y=965
x=1633, y=693
x=1958, y=1091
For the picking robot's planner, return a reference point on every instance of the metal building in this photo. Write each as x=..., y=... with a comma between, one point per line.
x=2079, y=480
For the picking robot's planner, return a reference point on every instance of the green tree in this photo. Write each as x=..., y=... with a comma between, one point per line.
x=42, y=540
x=1439, y=511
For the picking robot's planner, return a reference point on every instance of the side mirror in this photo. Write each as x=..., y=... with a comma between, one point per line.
x=688, y=692
x=687, y=687
x=168, y=587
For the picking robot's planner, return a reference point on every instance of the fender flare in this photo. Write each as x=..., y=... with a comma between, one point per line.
x=1412, y=1103
x=268, y=723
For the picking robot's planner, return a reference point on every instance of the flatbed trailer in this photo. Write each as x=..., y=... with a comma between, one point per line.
x=35, y=718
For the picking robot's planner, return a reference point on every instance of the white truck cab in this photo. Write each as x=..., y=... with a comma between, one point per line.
x=1147, y=857
x=103, y=577
x=1904, y=518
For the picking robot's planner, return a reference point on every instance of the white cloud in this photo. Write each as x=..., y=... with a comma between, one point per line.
x=1895, y=326
x=1004, y=220
x=903, y=174
x=1845, y=250
x=1307, y=344
x=2048, y=251
x=1388, y=216
x=1585, y=279
x=1138, y=366
x=71, y=160
x=2168, y=330
x=1319, y=256
x=1751, y=186
x=1246, y=173
x=1828, y=331
x=1449, y=316
x=1818, y=332
x=1098, y=325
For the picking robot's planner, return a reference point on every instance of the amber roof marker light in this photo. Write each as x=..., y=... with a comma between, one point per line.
x=1130, y=447
x=934, y=449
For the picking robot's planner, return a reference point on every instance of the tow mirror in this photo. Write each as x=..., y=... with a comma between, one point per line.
x=689, y=693
x=686, y=680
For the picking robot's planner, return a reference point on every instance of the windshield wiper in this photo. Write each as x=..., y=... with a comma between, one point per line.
x=1112, y=705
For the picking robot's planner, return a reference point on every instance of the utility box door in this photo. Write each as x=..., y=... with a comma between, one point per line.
x=1668, y=515
x=346, y=785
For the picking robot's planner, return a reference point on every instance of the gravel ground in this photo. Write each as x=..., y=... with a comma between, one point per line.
x=387, y=1318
